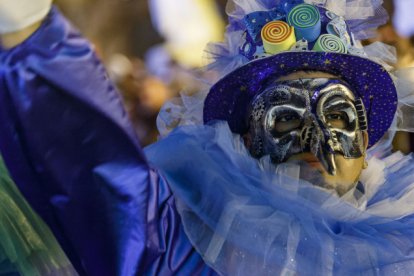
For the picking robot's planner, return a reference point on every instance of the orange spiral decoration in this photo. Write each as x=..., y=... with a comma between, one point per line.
x=278, y=36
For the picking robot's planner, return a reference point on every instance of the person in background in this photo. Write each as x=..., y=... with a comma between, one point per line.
x=143, y=94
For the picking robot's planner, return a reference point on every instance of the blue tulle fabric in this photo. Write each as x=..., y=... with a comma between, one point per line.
x=247, y=217
x=363, y=17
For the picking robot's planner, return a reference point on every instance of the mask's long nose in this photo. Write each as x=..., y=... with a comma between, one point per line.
x=321, y=146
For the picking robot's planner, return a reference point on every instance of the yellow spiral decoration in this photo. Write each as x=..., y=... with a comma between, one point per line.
x=278, y=36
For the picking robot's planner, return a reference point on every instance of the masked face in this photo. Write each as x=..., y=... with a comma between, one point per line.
x=317, y=120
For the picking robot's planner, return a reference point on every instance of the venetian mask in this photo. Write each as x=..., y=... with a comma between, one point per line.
x=321, y=116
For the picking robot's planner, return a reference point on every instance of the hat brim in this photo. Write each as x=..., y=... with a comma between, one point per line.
x=229, y=99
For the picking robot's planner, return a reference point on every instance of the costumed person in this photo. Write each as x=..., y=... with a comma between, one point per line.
x=283, y=166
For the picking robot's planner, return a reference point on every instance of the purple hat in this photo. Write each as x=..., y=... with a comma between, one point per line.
x=322, y=41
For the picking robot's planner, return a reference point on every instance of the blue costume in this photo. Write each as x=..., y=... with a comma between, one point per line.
x=117, y=210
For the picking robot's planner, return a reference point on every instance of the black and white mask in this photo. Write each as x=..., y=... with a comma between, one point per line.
x=318, y=115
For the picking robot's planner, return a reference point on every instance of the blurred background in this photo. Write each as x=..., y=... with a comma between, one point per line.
x=151, y=48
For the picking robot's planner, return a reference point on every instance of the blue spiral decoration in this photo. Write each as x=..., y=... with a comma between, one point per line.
x=306, y=20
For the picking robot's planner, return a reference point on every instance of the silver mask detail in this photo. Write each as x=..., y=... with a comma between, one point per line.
x=319, y=115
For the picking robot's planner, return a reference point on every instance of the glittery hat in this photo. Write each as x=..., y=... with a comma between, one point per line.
x=277, y=40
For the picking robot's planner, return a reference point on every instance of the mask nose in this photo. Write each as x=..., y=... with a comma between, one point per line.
x=319, y=141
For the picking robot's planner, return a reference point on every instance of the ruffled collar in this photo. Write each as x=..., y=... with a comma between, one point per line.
x=244, y=218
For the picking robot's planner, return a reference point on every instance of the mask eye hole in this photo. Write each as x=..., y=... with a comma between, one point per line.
x=337, y=119
x=287, y=122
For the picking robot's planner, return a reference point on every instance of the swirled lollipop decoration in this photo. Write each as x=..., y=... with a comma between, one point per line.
x=277, y=36
x=330, y=43
x=306, y=20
